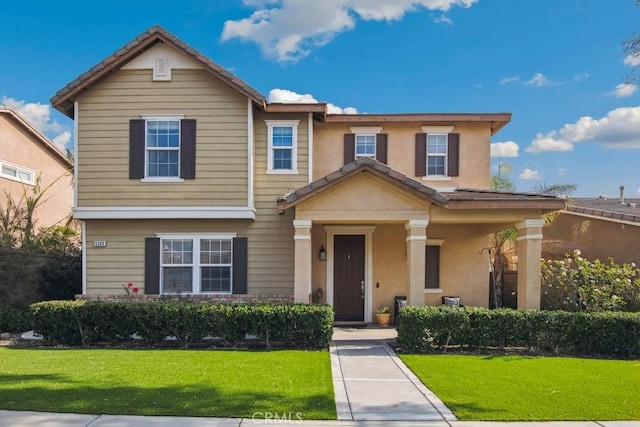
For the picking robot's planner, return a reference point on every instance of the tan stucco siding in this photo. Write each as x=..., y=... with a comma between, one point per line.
x=596, y=238
x=270, y=250
x=474, y=151
x=221, y=144
x=20, y=149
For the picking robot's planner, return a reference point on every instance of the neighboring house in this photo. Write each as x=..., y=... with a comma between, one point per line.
x=26, y=156
x=189, y=181
x=601, y=228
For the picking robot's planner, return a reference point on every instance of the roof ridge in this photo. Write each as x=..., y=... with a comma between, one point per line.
x=62, y=102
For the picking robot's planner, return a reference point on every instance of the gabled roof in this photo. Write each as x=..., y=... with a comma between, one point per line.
x=37, y=136
x=64, y=98
x=609, y=209
x=458, y=199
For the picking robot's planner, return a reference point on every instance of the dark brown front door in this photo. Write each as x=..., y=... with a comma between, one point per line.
x=348, y=277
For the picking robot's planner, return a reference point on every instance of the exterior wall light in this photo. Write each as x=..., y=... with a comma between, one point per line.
x=323, y=253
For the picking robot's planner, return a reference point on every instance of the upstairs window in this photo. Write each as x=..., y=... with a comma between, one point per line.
x=365, y=141
x=436, y=154
x=283, y=146
x=162, y=148
x=366, y=146
x=17, y=173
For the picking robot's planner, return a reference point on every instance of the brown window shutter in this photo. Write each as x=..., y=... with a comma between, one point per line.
x=453, y=154
x=381, y=147
x=136, y=148
x=188, y=149
x=421, y=154
x=240, y=265
x=152, y=265
x=432, y=266
x=349, y=147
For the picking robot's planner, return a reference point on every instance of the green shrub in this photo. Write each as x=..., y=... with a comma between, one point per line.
x=424, y=329
x=75, y=322
x=578, y=284
x=14, y=319
x=58, y=321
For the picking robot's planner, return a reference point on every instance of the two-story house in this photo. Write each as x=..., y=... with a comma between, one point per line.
x=29, y=159
x=189, y=181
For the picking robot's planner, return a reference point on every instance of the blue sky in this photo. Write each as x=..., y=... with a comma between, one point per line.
x=557, y=65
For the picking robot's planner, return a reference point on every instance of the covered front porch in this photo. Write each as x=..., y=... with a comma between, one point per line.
x=367, y=234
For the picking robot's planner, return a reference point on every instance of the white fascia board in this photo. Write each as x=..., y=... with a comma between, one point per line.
x=165, y=212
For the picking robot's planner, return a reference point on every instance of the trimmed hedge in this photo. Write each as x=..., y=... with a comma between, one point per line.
x=14, y=319
x=90, y=322
x=426, y=329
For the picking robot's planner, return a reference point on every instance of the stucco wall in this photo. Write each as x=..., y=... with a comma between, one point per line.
x=596, y=238
x=474, y=151
x=17, y=146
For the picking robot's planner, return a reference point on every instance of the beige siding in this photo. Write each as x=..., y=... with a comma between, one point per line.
x=21, y=149
x=270, y=242
x=474, y=151
x=221, y=147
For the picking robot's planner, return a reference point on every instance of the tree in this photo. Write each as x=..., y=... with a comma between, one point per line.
x=499, y=263
x=631, y=49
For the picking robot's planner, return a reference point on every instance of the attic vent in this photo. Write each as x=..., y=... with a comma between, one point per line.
x=161, y=71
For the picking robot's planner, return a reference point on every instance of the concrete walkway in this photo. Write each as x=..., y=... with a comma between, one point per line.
x=370, y=382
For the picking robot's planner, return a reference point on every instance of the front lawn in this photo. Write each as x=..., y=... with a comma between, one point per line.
x=168, y=382
x=514, y=388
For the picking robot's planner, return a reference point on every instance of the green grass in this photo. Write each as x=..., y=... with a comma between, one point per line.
x=512, y=388
x=168, y=382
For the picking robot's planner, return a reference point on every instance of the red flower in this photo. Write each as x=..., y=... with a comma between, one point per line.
x=135, y=290
x=130, y=285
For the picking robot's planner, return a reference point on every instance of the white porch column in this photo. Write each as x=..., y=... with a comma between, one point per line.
x=416, y=248
x=529, y=249
x=302, y=267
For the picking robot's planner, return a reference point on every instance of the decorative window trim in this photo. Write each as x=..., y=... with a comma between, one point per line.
x=294, y=146
x=366, y=129
x=438, y=129
x=196, y=261
x=18, y=169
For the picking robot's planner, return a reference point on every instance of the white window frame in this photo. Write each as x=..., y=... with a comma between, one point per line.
x=19, y=169
x=293, y=124
x=375, y=153
x=171, y=118
x=445, y=155
x=196, y=264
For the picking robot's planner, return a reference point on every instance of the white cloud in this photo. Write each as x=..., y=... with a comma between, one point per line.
x=620, y=128
x=623, y=90
x=287, y=30
x=504, y=149
x=529, y=174
x=286, y=96
x=562, y=171
x=538, y=80
x=39, y=115
x=507, y=80
x=580, y=77
x=632, y=60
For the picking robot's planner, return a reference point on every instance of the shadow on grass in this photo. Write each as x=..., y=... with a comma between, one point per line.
x=60, y=394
